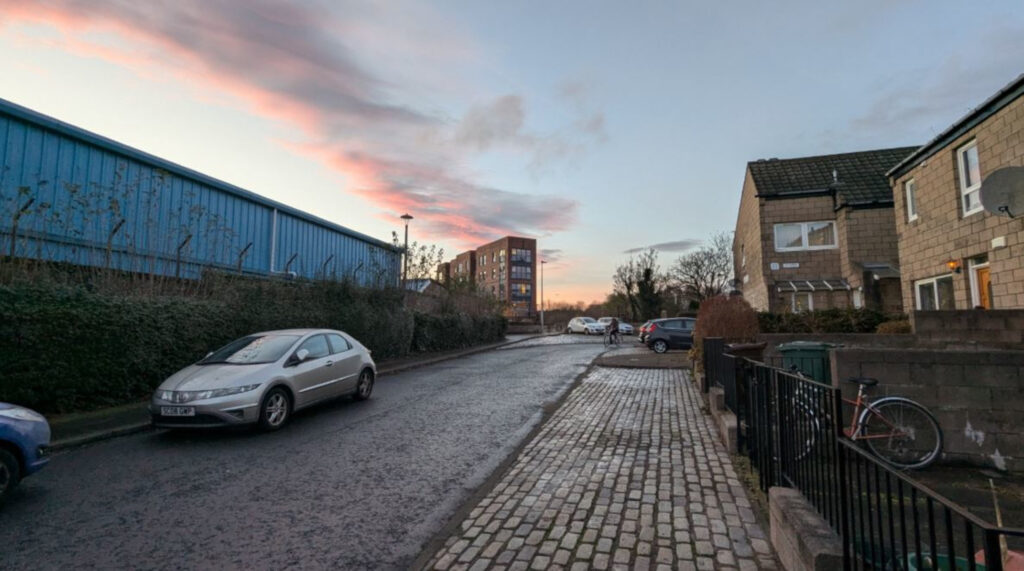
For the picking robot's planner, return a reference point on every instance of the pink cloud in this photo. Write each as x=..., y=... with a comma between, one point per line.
x=290, y=62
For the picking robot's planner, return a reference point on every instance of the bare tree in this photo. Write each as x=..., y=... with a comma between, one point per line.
x=640, y=282
x=423, y=259
x=705, y=272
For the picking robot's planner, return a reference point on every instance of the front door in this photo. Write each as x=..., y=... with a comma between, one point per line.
x=982, y=278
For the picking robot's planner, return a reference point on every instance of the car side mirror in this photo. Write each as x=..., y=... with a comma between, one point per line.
x=296, y=358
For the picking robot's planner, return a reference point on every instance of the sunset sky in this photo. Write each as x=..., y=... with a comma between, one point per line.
x=597, y=127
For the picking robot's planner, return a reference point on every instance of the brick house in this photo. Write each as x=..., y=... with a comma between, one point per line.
x=819, y=232
x=954, y=254
x=505, y=268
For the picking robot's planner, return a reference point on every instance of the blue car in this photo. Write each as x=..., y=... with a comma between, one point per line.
x=24, y=440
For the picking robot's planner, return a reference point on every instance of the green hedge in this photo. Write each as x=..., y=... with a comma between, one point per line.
x=824, y=321
x=67, y=349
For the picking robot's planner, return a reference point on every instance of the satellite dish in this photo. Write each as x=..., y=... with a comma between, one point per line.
x=1002, y=192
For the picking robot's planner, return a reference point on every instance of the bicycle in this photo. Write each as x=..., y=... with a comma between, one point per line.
x=897, y=430
x=612, y=339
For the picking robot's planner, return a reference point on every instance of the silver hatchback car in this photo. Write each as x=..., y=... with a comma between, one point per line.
x=263, y=378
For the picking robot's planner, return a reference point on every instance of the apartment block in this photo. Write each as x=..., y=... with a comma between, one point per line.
x=505, y=268
x=819, y=232
x=954, y=253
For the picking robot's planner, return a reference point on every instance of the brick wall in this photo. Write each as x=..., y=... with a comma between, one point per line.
x=868, y=235
x=773, y=340
x=976, y=396
x=941, y=233
x=815, y=264
x=746, y=247
x=995, y=329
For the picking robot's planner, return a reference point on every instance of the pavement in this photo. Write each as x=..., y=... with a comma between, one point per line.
x=70, y=430
x=632, y=355
x=627, y=474
x=346, y=485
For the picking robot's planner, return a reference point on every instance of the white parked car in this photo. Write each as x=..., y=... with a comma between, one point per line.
x=624, y=328
x=585, y=325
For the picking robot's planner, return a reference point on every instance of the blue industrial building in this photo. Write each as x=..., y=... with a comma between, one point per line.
x=68, y=195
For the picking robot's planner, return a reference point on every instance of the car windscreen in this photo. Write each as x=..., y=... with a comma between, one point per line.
x=588, y=320
x=252, y=350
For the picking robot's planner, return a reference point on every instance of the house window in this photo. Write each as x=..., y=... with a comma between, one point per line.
x=970, y=178
x=801, y=301
x=910, y=188
x=858, y=299
x=935, y=293
x=743, y=256
x=798, y=236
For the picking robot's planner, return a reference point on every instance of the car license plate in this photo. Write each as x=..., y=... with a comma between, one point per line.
x=178, y=410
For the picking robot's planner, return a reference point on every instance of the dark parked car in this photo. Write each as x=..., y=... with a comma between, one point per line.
x=670, y=333
x=642, y=331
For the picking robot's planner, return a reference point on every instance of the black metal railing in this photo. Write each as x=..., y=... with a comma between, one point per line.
x=791, y=428
x=895, y=522
x=713, y=352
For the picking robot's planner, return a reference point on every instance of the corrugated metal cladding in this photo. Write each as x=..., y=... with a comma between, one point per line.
x=68, y=195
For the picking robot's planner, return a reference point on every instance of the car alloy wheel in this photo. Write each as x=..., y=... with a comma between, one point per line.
x=276, y=409
x=9, y=473
x=365, y=386
x=660, y=346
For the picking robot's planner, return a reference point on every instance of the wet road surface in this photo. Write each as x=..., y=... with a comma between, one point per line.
x=346, y=486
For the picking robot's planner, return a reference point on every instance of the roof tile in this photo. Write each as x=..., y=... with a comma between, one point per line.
x=861, y=176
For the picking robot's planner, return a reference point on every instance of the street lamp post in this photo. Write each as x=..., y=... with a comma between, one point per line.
x=542, y=262
x=405, y=252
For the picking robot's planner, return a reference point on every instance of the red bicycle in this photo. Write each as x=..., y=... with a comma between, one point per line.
x=897, y=430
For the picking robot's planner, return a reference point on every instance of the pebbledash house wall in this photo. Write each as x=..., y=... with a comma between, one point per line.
x=941, y=233
x=862, y=234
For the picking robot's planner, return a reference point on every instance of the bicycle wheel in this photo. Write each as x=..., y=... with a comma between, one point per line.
x=802, y=431
x=607, y=340
x=901, y=432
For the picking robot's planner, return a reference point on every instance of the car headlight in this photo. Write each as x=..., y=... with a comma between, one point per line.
x=189, y=396
x=22, y=414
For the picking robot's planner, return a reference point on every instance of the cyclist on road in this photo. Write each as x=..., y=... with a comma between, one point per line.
x=613, y=330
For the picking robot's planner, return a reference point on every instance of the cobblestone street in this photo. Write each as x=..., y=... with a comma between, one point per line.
x=627, y=474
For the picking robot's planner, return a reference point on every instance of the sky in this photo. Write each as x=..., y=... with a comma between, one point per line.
x=598, y=127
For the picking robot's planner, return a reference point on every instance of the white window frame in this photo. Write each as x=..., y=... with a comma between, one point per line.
x=910, y=191
x=810, y=301
x=964, y=189
x=803, y=236
x=858, y=298
x=934, y=283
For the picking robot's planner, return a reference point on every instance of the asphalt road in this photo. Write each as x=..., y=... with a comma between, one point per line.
x=345, y=486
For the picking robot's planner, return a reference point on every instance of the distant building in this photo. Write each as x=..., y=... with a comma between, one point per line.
x=71, y=196
x=818, y=233
x=505, y=268
x=955, y=254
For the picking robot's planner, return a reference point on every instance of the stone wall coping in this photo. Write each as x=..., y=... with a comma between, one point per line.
x=801, y=537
